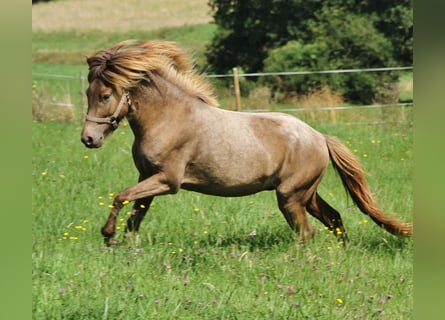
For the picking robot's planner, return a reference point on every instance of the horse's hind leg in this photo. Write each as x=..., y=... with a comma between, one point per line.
x=137, y=214
x=295, y=213
x=330, y=217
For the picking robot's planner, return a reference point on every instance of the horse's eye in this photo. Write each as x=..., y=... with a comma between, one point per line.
x=105, y=97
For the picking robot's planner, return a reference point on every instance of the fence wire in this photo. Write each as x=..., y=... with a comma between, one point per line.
x=81, y=77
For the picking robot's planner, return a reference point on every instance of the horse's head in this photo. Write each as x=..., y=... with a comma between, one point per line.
x=124, y=67
x=106, y=108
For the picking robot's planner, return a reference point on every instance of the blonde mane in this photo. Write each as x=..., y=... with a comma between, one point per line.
x=128, y=63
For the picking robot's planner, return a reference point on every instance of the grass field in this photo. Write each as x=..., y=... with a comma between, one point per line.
x=202, y=257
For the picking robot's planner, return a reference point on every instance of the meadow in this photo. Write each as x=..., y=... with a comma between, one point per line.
x=206, y=257
x=197, y=256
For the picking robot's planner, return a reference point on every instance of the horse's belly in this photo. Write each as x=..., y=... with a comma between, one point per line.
x=230, y=183
x=227, y=190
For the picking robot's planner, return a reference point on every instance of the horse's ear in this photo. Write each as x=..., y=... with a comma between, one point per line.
x=87, y=57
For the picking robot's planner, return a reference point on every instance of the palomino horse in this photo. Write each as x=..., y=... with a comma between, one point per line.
x=182, y=140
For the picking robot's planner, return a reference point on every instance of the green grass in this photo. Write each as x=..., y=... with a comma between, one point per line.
x=71, y=47
x=195, y=256
x=406, y=87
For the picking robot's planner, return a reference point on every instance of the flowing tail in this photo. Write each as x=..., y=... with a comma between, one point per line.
x=353, y=177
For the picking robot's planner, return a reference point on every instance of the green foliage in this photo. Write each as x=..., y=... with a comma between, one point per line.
x=295, y=56
x=343, y=35
x=354, y=42
x=248, y=29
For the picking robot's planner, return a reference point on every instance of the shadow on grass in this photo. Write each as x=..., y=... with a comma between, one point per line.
x=278, y=238
x=258, y=239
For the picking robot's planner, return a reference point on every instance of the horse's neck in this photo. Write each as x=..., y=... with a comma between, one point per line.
x=158, y=109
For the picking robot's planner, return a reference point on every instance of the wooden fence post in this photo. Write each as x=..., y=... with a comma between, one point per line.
x=237, y=90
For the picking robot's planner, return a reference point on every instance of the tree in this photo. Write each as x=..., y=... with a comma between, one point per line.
x=314, y=34
x=249, y=28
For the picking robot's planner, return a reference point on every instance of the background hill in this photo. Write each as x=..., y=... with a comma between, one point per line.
x=118, y=16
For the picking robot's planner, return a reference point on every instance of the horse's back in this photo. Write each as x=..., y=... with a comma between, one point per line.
x=273, y=131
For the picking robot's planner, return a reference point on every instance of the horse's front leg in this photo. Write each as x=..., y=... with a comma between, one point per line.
x=155, y=185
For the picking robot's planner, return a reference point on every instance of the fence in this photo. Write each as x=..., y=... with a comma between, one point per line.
x=237, y=92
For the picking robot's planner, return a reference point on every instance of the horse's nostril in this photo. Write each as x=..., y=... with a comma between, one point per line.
x=88, y=141
x=91, y=142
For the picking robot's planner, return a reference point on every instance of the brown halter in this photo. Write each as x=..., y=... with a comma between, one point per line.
x=112, y=120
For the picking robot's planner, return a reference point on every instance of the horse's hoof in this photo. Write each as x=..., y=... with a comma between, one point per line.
x=110, y=241
x=107, y=232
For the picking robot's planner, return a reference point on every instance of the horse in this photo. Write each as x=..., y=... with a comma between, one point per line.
x=183, y=140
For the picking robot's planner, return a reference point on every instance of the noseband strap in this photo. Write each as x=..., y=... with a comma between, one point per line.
x=112, y=120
